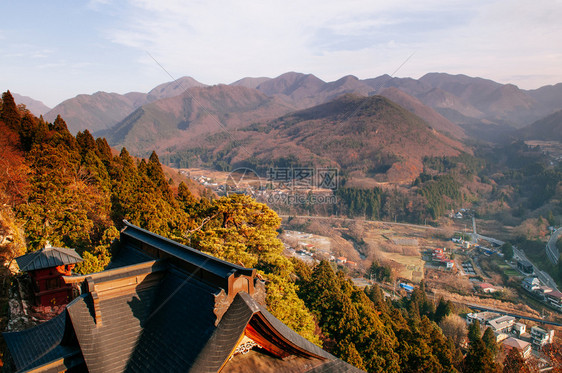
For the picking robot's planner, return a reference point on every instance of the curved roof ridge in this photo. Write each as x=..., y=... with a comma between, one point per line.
x=207, y=258
x=48, y=257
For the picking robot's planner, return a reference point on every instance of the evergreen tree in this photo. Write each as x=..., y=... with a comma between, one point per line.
x=444, y=308
x=344, y=312
x=507, y=251
x=474, y=331
x=489, y=339
x=379, y=272
x=14, y=184
x=346, y=350
x=32, y=132
x=156, y=175
x=86, y=142
x=104, y=151
x=479, y=359
x=187, y=200
x=10, y=114
x=376, y=296
x=418, y=305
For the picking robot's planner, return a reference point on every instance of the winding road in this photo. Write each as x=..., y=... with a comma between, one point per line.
x=551, y=249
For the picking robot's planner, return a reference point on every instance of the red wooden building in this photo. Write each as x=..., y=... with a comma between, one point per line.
x=46, y=268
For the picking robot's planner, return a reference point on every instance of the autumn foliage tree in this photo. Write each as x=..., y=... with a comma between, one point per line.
x=515, y=363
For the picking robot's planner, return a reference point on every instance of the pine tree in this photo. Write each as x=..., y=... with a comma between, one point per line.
x=86, y=142
x=156, y=174
x=14, y=183
x=104, y=151
x=10, y=114
x=32, y=132
x=474, y=331
x=489, y=339
x=479, y=359
x=444, y=308
x=346, y=350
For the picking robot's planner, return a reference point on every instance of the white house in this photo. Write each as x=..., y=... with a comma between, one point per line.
x=541, y=337
x=481, y=317
x=486, y=288
x=519, y=328
x=502, y=324
x=531, y=284
x=554, y=298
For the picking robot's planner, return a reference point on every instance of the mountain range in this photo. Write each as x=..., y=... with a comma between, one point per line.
x=458, y=98
x=289, y=114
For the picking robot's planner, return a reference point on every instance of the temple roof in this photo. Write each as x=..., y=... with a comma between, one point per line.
x=167, y=308
x=48, y=257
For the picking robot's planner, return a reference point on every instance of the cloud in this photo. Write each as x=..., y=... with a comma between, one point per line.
x=515, y=41
x=221, y=40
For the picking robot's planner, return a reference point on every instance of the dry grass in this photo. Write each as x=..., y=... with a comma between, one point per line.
x=408, y=267
x=380, y=241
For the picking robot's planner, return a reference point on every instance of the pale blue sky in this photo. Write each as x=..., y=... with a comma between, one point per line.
x=54, y=50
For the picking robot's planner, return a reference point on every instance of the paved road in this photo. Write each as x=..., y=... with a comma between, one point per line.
x=543, y=276
x=551, y=249
x=490, y=239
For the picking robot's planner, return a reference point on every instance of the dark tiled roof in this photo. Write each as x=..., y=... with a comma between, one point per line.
x=47, y=258
x=226, y=335
x=108, y=347
x=40, y=345
x=293, y=337
x=180, y=325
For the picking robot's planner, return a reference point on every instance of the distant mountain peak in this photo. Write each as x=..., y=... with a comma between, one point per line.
x=250, y=82
x=173, y=88
x=36, y=107
x=546, y=129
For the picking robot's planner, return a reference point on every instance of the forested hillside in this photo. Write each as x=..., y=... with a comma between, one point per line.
x=71, y=191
